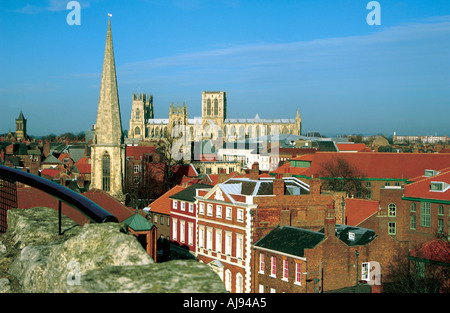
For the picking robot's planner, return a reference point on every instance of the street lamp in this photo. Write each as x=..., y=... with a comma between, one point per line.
x=357, y=267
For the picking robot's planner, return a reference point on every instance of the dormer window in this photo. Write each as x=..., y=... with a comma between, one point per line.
x=351, y=236
x=439, y=186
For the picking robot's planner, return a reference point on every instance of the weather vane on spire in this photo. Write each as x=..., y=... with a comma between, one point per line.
x=109, y=15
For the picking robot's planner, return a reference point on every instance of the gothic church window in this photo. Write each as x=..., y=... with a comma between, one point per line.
x=106, y=171
x=216, y=107
x=208, y=107
x=137, y=131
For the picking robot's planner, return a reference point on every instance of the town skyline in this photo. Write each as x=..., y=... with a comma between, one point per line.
x=343, y=75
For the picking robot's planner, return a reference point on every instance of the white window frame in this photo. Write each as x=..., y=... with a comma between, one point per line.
x=191, y=207
x=201, y=209
x=285, y=270
x=190, y=233
x=219, y=240
x=174, y=229
x=209, y=238
x=261, y=263
x=229, y=213
x=273, y=266
x=240, y=215
x=228, y=240
x=298, y=273
x=182, y=231
x=201, y=236
x=182, y=206
x=174, y=204
x=365, y=271
x=239, y=246
x=209, y=209
x=218, y=211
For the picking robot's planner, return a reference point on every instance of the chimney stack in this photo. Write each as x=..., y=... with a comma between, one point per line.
x=254, y=172
x=330, y=223
x=285, y=217
x=278, y=185
x=315, y=186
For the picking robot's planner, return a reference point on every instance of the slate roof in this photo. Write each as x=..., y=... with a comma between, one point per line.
x=290, y=240
x=189, y=193
x=294, y=240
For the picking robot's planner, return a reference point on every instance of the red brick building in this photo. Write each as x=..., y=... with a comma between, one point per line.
x=183, y=213
x=296, y=260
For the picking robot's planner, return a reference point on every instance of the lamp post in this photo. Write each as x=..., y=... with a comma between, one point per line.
x=357, y=267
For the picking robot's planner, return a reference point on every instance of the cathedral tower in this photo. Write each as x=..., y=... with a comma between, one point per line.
x=108, y=149
x=141, y=112
x=214, y=111
x=21, y=127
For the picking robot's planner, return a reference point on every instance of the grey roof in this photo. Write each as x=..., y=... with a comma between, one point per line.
x=52, y=160
x=189, y=193
x=294, y=240
x=354, y=236
x=290, y=240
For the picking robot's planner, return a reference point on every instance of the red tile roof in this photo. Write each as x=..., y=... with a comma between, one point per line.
x=28, y=197
x=384, y=165
x=137, y=152
x=51, y=172
x=358, y=210
x=359, y=147
x=163, y=204
x=84, y=168
x=421, y=187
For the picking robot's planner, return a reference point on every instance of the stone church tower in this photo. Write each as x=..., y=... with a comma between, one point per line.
x=214, y=110
x=21, y=127
x=108, y=149
x=141, y=112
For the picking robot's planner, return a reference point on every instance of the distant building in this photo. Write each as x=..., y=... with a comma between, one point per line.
x=213, y=124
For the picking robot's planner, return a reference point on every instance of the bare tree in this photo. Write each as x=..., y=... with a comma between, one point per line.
x=339, y=175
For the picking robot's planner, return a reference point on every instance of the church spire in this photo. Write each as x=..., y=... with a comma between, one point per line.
x=108, y=128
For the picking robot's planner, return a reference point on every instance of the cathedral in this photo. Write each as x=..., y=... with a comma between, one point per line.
x=213, y=124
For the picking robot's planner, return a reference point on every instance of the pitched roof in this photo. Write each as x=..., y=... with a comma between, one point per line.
x=109, y=203
x=189, y=193
x=163, y=204
x=51, y=159
x=357, y=210
x=384, y=165
x=290, y=240
x=137, y=152
x=138, y=223
x=345, y=147
x=51, y=172
x=421, y=188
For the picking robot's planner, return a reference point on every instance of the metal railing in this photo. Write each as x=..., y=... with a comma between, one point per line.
x=84, y=205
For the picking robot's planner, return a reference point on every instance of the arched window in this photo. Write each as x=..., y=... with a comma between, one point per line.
x=106, y=172
x=413, y=207
x=228, y=280
x=138, y=114
x=239, y=283
x=137, y=131
x=208, y=107
x=216, y=107
x=392, y=208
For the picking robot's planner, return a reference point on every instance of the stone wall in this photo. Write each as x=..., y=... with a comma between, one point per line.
x=88, y=259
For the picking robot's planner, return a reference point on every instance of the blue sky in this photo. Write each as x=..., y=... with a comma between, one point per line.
x=271, y=57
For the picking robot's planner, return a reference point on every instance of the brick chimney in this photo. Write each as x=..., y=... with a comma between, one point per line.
x=222, y=176
x=254, y=172
x=34, y=167
x=278, y=186
x=80, y=181
x=330, y=223
x=315, y=186
x=285, y=217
